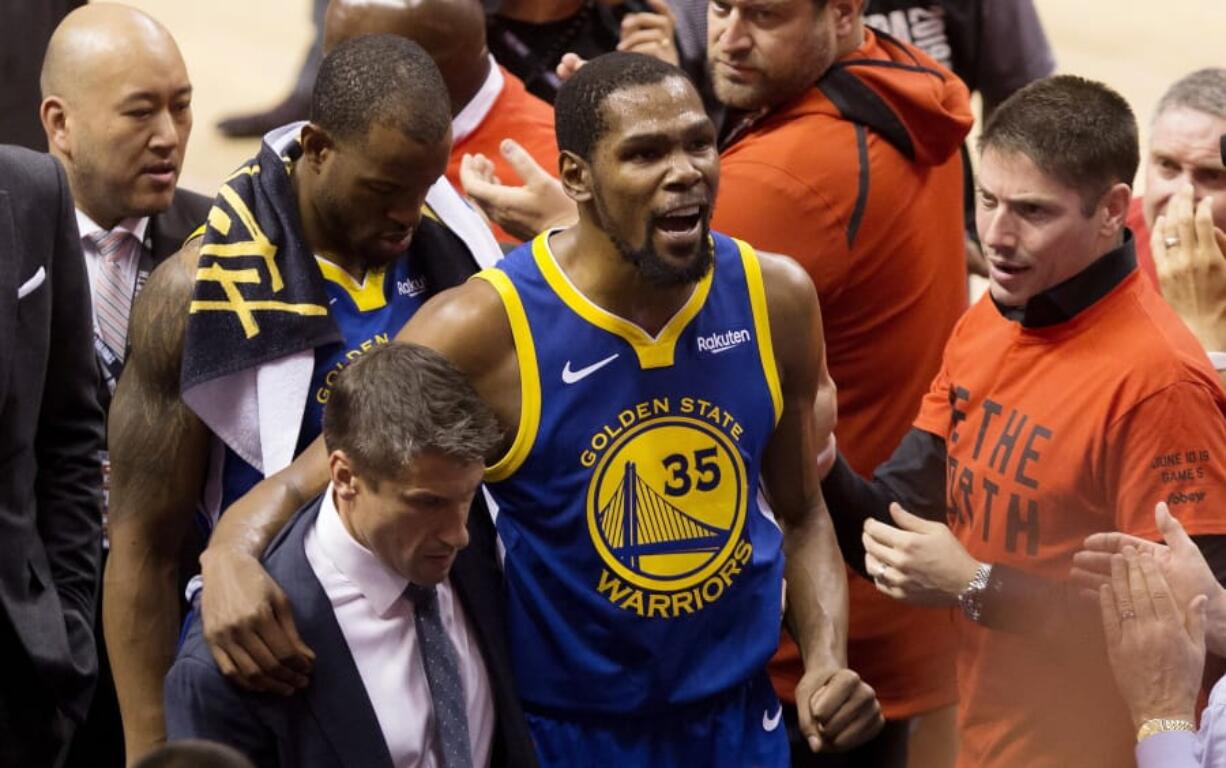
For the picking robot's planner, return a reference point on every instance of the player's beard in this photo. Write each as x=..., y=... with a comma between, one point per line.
x=653, y=268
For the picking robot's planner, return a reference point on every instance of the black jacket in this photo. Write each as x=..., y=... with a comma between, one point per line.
x=50, y=431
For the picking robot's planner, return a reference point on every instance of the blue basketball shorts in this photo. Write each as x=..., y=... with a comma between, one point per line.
x=740, y=728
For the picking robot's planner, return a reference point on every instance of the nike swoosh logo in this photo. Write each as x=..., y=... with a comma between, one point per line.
x=771, y=723
x=570, y=377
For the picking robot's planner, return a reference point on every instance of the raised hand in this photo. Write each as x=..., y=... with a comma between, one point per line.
x=537, y=204
x=1156, y=644
x=1182, y=565
x=650, y=33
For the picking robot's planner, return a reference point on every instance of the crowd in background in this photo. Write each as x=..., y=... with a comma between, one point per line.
x=236, y=517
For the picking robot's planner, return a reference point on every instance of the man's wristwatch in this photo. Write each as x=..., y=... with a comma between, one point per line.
x=971, y=597
x=1163, y=725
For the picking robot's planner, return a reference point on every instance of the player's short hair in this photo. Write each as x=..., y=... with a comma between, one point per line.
x=1204, y=91
x=400, y=400
x=385, y=80
x=1077, y=131
x=194, y=753
x=579, y=116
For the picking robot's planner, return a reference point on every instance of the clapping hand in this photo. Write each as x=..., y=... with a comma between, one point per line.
x=1182, y=565
x=1155, y=643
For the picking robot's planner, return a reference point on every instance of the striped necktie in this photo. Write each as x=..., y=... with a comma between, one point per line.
x=438, y=656
x=112, y=289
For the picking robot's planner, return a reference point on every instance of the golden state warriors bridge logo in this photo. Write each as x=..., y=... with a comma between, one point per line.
x=666, y=506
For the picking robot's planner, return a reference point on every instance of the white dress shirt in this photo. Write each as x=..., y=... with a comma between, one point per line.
x=377, y=623
x=135, y=227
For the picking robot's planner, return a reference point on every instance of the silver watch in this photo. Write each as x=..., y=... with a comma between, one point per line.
x=971, y=597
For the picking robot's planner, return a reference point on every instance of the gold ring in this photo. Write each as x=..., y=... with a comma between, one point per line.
x=1170, y=242
x=1125, y=615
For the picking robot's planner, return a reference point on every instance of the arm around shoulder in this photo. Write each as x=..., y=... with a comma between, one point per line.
x=201, y=704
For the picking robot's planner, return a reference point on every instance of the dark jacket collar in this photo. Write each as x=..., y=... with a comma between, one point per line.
x=1063, y=302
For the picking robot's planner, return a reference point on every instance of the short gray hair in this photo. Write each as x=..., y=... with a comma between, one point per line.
x=1204, y=91
x=400, y=400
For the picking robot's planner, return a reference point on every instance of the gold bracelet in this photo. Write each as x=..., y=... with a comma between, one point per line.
x=1163, y=725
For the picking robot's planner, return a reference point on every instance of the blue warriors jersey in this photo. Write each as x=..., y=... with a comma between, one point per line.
x=641, y=572
x=367, y=314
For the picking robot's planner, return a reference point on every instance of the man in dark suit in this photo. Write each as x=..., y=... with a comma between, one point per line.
x=117, y=113
x=411, y=657
x=50, y=437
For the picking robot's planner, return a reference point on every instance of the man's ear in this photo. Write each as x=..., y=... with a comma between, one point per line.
x=316, y=144
x=576, y=176
x=343, y=478
x=54, y=118
x=846, y=15
x=1115, y=209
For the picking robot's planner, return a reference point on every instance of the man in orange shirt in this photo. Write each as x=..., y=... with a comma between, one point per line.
x=859, y=178
x=488, y=103
x=1070, y=399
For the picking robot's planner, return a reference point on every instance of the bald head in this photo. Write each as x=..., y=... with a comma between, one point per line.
x=94, y=40
x=117, y=110
x=452, y=32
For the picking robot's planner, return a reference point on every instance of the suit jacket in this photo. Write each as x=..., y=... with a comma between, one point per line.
x=332, y=722
x=172, y=226
x=50, y=430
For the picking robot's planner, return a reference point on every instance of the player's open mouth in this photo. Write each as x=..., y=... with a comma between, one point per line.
x=680, y=221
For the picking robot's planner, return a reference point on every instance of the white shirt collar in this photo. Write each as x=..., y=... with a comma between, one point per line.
x=475, y=111
x=133, y=226
x=380, y=585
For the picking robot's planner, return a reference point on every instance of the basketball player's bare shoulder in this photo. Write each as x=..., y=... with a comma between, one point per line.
x=467, y=324
x=791, y=299
x=159, y=318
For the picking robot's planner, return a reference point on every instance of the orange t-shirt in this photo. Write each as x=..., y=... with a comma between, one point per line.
x=1054, y=433
x=891, y=279
x=516, y=114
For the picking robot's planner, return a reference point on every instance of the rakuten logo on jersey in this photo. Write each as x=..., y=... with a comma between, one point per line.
x=411, y=286
x=716, y=343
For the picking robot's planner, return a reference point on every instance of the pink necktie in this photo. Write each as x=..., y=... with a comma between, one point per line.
x=112, y=291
